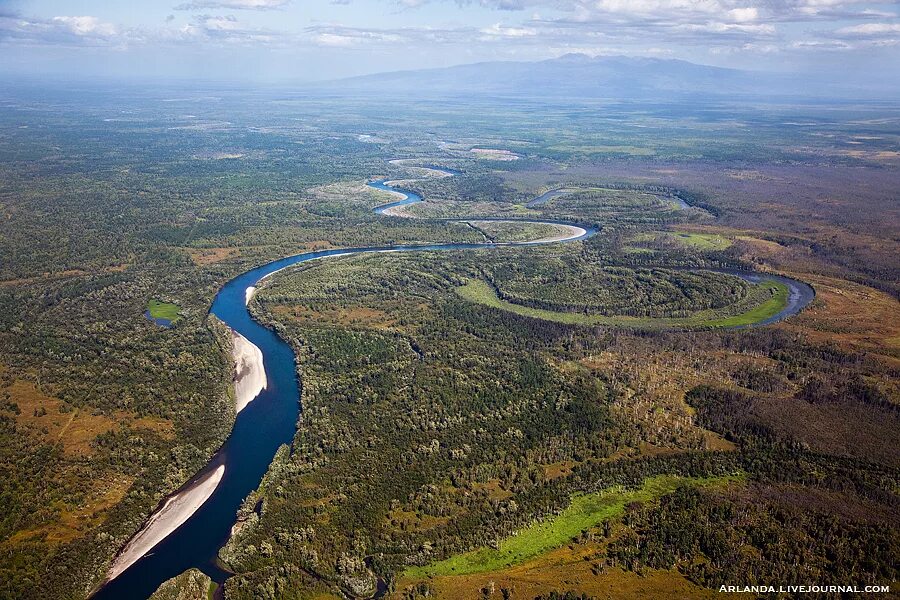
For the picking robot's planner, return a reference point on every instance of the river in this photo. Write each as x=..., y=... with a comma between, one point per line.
x=270, y=419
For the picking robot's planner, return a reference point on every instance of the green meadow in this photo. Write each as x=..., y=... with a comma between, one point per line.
x=163, y=310
x=771, y=304
x=584, y=512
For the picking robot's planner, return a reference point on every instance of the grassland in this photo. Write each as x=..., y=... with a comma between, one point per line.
x=702, y=241
x=163, y=310
x=585, y=511
x=509, y=231
x=482, y=293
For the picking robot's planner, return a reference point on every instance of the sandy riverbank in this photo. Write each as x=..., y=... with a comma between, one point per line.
x=249, y=372
x=176, y=510
x=248, y=294
x=399, y=211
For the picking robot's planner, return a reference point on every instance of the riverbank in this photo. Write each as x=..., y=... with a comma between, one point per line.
x=249, y=371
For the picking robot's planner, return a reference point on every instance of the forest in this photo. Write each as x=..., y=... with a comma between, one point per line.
x=435, y=427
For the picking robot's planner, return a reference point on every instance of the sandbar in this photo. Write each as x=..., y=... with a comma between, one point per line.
x=173, y=513
x=249, y=371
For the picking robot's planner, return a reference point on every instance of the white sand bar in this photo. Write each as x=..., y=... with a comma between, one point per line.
x=248, y=294
x=167, y=519
x=249, y=372
x=399, y=211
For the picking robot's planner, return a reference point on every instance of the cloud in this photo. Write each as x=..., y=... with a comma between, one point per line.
x=868, y=30
x=226, y=29
x=818, y=45
x=686, y=28
x=60, y=31
x=864, y=35
x=499, y=31
x=87, y=26
x=336, y=36
x=233, y=4
x=743, y=15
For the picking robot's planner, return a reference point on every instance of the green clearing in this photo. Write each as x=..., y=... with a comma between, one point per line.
x=699, y=241
x=582, y=149
x=482, y=293
x=511, y=231
x=163, y=310
x=702, y=241
x=584, y=512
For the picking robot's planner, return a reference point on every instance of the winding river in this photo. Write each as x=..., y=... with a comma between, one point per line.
x=201, y=513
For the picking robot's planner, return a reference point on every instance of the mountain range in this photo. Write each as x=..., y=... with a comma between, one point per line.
x=614, y=77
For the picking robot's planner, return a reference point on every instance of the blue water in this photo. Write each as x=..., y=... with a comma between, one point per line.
x=270, y=421
x=800, y=294
x=161, y=322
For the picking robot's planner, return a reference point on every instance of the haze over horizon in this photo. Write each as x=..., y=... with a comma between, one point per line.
x=290, y=40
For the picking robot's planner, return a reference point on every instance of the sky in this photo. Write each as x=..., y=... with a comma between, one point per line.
x=305, y=40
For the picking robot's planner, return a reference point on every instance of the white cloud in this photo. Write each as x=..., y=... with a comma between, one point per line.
x=870, y=29
x=498, y=30
x=233, y=4
x=336, y=36
x=743, y=15
x=820, y=45
x=87, y=26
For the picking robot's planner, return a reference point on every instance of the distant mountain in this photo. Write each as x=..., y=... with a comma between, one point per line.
x=578, y=75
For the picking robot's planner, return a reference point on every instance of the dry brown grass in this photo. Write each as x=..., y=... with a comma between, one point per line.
x=89, y=515
x=209, y=256
x=52, y=276
x=75, y=430
x=560, y=469
x=565, y=569
x=493, y=489
x=851, y=315
x=411, y=521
